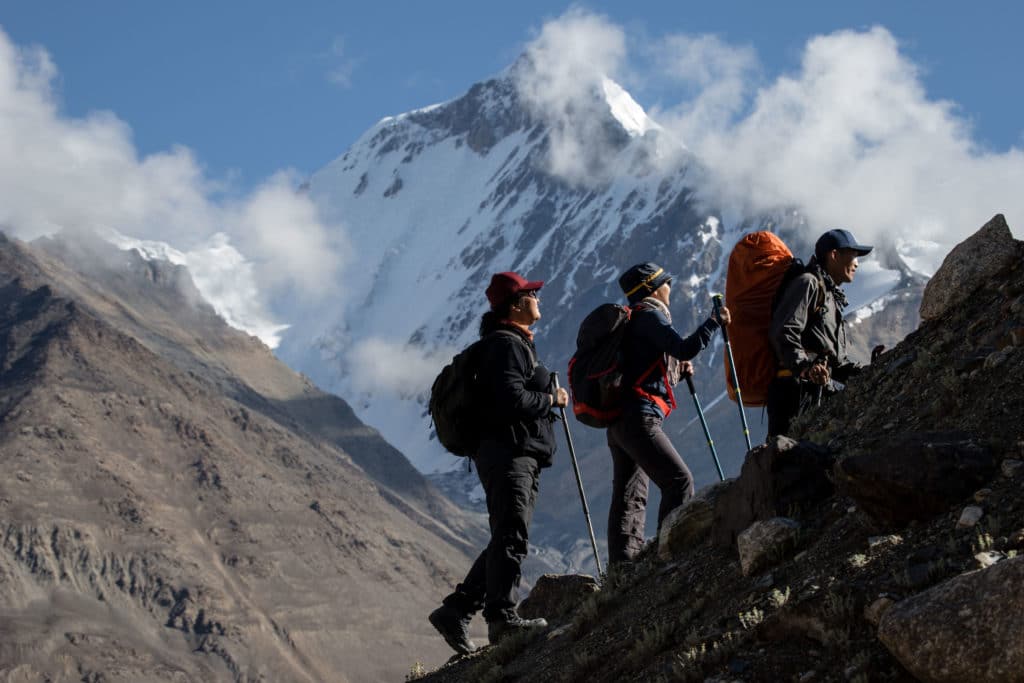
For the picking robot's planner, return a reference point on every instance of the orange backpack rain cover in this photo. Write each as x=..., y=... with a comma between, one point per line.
x=756, y=267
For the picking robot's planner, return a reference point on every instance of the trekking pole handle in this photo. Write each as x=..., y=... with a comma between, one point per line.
x=716, y=301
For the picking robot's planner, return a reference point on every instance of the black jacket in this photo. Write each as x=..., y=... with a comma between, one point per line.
x=515, y=395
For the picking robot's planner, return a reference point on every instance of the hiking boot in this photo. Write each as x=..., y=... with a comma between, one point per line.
x=502, y=628
x=454, y=626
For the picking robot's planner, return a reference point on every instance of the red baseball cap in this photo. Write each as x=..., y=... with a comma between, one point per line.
x=505, y=285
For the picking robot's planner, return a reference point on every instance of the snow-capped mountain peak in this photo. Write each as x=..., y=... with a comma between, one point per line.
x=625, y=109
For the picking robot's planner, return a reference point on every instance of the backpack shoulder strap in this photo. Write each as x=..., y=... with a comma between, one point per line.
x=518, y=338
x=821, y=293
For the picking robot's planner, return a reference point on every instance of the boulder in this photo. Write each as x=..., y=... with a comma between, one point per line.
x=977, y=259
x=782, y=477
x=765, y=543
x=987, y=558
x=965, y=629
x=1011, y=468
x=874, y=612
x=690, y=523
x=970, y=517
x=917, y=477
x=555, y=596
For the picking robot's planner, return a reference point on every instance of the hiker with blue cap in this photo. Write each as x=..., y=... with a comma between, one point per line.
x=808, y=333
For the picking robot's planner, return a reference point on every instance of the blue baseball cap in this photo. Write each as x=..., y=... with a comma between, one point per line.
x=839, y=239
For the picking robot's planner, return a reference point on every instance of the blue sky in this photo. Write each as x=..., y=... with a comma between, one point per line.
x=255, y=87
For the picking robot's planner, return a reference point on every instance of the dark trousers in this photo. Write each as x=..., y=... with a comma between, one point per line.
x=783, y=404
x=510, y=481
x=788, y=398
x=640, y=452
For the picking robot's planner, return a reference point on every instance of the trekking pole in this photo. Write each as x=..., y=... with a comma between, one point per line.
x=579, y=480
x=717, y=299
x=704, y=424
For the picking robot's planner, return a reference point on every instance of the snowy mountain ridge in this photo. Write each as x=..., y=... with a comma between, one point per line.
x=438, y=199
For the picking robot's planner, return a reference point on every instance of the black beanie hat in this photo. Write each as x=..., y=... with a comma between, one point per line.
x=642, y=279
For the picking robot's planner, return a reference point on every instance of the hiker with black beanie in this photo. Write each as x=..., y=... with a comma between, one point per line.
x=808, y=333
x=517, y=442
x=654, y=358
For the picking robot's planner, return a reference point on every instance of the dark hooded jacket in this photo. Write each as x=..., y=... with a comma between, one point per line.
x=515, y=395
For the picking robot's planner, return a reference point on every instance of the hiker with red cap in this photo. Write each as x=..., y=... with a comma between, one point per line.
x=808, y=333
x=517, y=441
x=654, y=358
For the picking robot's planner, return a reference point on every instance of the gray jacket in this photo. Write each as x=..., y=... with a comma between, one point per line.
x=808, y=322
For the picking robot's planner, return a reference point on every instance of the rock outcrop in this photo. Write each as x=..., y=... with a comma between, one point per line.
x=781, y=478
x=766, y=542
x=556, y=595
x=976, y=259
x=690, y=523
x=966, y=629
x=916, y=477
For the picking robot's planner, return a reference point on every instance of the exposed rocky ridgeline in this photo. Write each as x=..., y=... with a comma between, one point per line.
x=884, y=542
x=178, y=505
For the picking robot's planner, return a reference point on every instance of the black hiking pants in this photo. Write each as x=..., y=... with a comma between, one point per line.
x=640, y=452
x=510, y=481
x=787, y=398
x=783, y=404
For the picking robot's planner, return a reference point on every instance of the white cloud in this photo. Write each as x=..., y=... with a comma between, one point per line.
x=342, y=67
x=562, y=82
x=281, y=231
x=382, y=365
x=852, y=139
x=59, y=172
x=716, y=75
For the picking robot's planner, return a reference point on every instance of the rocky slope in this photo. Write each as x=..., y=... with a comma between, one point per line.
x=178, y=505
x=887, y=543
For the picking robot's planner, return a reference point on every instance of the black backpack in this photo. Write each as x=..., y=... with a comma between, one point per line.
x=595, y=374
x=454, y=401
x=795, y=270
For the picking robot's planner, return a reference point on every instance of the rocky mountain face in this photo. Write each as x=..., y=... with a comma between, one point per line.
x=179, y=505
x=436, y=200
x=883, y=542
